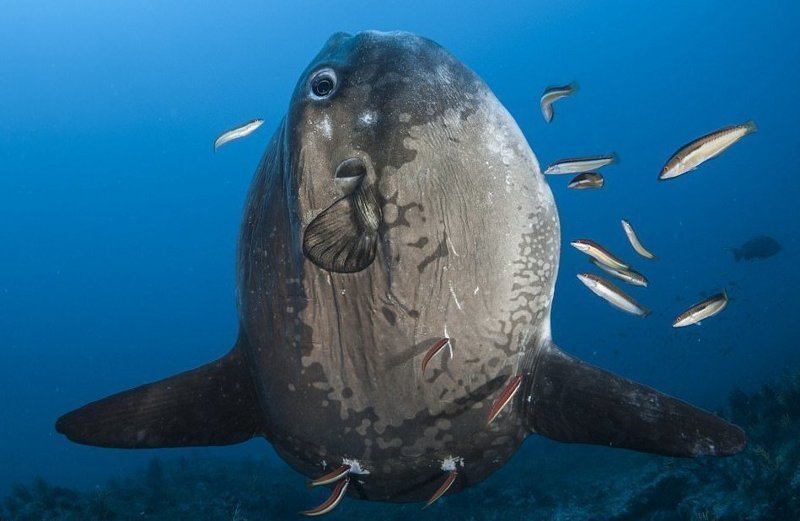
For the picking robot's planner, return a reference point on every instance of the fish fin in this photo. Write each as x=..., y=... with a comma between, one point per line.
x=215, y=404
x=750, y=126
x=574, y=402
x=574, y=87
x=616, y=158
x=647, y=311
x=343, y=238
x=547, y=112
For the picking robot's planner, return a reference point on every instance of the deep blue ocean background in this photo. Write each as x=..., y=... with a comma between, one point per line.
x=119, y=223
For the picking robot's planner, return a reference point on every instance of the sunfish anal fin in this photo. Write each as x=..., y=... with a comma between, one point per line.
x=574, y=402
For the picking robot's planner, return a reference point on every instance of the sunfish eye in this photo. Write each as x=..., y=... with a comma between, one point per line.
x=349, y=174
x=323, y=83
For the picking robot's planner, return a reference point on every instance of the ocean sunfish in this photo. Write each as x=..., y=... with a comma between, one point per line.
x=397, y=213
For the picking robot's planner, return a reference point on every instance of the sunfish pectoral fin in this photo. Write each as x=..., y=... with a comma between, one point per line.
x=572, y=401
x=215, y=404
x=343, y=238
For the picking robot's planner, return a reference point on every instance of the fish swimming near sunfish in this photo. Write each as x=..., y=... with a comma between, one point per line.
x=369, y=236
x=586, y=180
x=612, y=294
x=577, y=165
x=760, y=247
x=239, y=132
x=700, y=150
x=551, y=94
x=634, y=240
x=629, y=275
x=705, y=309
x=595, y=251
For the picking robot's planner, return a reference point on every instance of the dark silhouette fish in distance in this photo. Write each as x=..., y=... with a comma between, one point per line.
x=759, y=247
x=398, y=215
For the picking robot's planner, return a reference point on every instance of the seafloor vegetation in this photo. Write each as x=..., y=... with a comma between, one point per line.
x=576, y=483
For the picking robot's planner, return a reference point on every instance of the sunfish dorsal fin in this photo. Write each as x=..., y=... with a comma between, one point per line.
x=215, y=404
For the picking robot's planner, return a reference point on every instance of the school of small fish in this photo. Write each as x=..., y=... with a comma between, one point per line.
x=686, y=159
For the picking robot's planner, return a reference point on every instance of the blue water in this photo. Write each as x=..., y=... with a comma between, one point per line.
x=119, y=223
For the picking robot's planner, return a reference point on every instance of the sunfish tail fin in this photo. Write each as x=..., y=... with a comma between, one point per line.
x=574, y=402
x=215, y=404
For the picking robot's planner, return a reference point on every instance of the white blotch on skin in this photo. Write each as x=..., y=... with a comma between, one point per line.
x=355, y=466
x=368, y=118
x=449, y=464
x=325, y=127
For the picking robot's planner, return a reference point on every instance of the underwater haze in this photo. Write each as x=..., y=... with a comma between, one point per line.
x=120, y=225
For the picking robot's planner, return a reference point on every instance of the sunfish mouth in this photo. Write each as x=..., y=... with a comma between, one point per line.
x=349, y=174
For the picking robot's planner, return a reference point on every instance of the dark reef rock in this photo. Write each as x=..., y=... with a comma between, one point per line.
x=547, y=481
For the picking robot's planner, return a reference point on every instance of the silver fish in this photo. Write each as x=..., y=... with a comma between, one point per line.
x=612, y=294
x=239, y=132
x=692, y=155
x=630, y=276
x=551, y=94
x=586, y=180
x=634, y=240
x=705, y=309
x=577, y=165
x=596, y=251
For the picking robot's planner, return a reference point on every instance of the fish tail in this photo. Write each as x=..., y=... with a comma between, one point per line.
x=615, y=158
x=750, y=126
x=574, y=87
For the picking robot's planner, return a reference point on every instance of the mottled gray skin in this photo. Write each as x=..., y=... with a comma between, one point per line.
x=469, y=246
